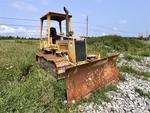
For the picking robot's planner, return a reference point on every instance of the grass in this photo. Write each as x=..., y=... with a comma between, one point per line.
x=138, y=74
x=100, y=95
x=122, y=77
x=131, y=57
x=144, y=53
x=128, y=69
x=145, y=74
x=148, y=65
x=108, y=44
x=142, y=93
x=128, y=57
x=26, y=88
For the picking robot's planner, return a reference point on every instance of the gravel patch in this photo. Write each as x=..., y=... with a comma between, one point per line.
x=138, y=66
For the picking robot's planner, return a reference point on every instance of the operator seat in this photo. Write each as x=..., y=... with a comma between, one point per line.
x=53, y=34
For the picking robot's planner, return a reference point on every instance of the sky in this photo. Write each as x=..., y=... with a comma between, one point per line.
x=120, y=17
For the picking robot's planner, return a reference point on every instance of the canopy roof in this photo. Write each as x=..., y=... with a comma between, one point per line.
x=55, y=16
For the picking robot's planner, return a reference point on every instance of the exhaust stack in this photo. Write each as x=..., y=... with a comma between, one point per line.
x=67, y=21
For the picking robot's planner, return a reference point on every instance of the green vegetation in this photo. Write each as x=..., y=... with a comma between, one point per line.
x=108, y=44
x=128, y=57
x=100, y=95
x=142, y=93
x=145, y=74
x=122, y=77
x=26, y=88
x=148, y=65
x=128, y=69
x=131, y=57
x=138, y=74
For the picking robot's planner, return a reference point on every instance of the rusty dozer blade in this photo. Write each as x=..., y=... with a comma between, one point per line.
x=83, y=79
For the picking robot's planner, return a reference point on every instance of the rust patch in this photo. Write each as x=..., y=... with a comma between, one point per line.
x=83, y=79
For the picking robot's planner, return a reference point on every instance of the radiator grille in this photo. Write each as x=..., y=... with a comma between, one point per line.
x=80, y=50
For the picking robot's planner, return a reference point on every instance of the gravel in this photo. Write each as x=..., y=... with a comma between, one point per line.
x=138, y=66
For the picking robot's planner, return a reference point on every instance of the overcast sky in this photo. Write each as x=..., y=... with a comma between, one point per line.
x=122, y=17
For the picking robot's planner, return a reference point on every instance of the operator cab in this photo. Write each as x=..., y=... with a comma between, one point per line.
x=52, y=35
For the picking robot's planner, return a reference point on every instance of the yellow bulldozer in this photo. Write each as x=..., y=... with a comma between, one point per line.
x=64, y=56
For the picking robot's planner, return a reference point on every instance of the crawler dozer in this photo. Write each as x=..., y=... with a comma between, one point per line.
x=64, y=55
